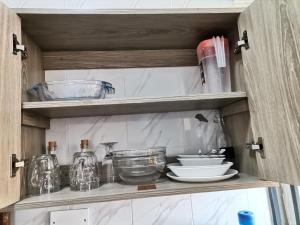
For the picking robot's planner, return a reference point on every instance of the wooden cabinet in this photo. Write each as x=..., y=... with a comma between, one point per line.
x=272, y=77
x=10, y=105
x=265, y=80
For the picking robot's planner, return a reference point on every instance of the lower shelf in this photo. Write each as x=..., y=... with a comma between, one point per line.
x=116, y=191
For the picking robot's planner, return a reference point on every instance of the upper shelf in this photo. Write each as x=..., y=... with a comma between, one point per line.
x=116, y=191
x=109, y=30
x=121, y=106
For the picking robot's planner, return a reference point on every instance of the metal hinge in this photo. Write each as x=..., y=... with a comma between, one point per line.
x=257, y=147
x=15, y=164
x=17, y=47
x=242, y=43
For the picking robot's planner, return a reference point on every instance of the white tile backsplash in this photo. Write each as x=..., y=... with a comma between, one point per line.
x=259, y=205
x=221, y=208
x=179, y=131
x=211, y=208
x=202, y=3
x=108, y=213
x=157, y=129
x=38, y=216
x=125, y=4
x=153, y=82
x=59, y=133
x=168, y=210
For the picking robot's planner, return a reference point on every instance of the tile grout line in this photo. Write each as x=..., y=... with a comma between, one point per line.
x=131, y=210
x=192, y=211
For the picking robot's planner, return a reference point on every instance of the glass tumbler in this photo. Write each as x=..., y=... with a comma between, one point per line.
x=84, y=171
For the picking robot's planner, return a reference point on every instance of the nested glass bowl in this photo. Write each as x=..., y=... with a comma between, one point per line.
x=140, y=166
x=71, y=90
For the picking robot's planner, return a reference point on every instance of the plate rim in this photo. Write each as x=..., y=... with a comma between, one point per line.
x=234, y=172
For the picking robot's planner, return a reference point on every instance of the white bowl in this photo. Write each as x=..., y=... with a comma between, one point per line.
x=199, y=171
x=200, y=161
x=230, y=173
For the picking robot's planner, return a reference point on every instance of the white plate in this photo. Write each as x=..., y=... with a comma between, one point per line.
x=199, y=171
x=200, y=161
x=201, y=156
x=230, y=173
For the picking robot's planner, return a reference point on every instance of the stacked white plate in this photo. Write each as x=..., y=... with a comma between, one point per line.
x=201, y=168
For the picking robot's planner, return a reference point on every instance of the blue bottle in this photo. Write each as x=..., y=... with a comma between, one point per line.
x=246, y=218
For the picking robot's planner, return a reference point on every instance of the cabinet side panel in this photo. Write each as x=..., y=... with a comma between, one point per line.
x=10, y=105
x=32, y=66
x=239, y=130
x=33, y=143
x=236, y=63
x=272, y=77
x=33, y=138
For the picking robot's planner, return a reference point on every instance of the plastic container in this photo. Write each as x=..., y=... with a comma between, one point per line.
x=213, y=58
x=71, y=90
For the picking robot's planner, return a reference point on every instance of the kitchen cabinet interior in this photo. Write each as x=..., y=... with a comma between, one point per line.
x=90, y=39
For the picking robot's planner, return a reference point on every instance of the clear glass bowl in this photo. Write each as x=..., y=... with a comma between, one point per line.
x=140, y=166
x=84, y=174
x=44, y=175
x=71, y=90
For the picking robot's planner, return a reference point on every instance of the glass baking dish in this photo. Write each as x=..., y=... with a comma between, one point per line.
x=71, y=90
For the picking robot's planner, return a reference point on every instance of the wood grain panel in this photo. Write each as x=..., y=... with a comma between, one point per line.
x=32, y=66
x=272, y=75
x=10, y=105
x=33, y=143
x=118, y=59
x=5, y=218
x=106, y=107
x=80, y=31
x=33, y=137
x=117, y=191
x=235, y=108
x=239, y=132
x=236, y=63
x=32, y=120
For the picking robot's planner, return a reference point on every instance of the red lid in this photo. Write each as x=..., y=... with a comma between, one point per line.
x=207, y=48
x=208, y=43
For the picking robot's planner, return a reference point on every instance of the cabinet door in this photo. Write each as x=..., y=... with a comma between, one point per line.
x=272, y=77
x=10, y=105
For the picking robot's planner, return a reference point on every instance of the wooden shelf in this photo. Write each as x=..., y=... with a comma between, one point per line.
x=116, y=191
x=96, y=39
x=138, y=29
x=122, y=106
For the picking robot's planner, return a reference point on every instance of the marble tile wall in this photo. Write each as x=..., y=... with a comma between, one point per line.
x=124, y=4
x=214, y=208
x=180, y=132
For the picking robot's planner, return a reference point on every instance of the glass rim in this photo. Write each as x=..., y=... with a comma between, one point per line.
x=139, y=152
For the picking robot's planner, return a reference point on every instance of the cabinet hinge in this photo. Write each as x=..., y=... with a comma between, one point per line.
x=257, y=147
x=15, y=164
x=17, y=47
x=242, y=43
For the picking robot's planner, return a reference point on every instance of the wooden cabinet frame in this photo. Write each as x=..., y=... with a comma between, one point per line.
x=267, y=75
